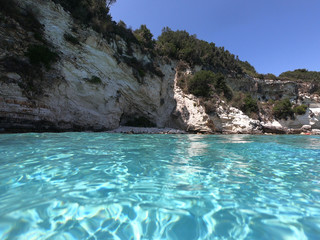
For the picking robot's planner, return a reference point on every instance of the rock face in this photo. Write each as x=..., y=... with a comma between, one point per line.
x=65, y=98
x=265, y=90
x=310, y=120
x=72, y=102
x=189, y=114
x=297, y=92
x=235, y=121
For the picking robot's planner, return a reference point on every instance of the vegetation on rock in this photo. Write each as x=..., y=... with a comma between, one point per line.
x=27, y=18
x=283, y=109
x=26, y=53
x=94, y=80
x=209, y=84
x=248, y=69
x=71, y=39
x=181, y=45
x=95, y=13
x=178, y=45
x=201, y=83
x=205, y=83
x=301, y=74
x=32, y=76
x=249, y=105
x=300, y=109
x=145, y=37
x=40, y=54
x=270, y=76
x=246, y=103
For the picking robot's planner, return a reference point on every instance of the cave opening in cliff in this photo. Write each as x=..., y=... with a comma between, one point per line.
x=135, y=120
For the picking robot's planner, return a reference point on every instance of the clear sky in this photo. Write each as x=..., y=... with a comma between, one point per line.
x=273, y=35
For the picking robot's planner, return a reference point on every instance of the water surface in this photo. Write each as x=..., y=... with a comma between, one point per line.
x=114, y=186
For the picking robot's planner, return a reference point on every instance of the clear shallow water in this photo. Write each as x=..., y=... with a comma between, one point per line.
x=112, y=186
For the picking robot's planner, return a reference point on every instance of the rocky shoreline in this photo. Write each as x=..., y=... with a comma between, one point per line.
x=269, y=131
x=145, y=130
x=65, y=99
x=304, y=130
x=153, y=130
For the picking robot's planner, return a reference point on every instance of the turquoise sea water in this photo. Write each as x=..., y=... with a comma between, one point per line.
x=113, y=186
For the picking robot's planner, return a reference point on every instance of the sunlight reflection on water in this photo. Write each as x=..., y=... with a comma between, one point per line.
x=113, y=186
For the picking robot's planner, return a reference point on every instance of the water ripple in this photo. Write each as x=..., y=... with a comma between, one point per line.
x=113, y=186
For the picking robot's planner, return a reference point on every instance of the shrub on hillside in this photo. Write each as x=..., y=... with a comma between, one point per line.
x=249, y=105
x=26, y=18
x=40, y=54
x=237, y=99
x=94, y=80
x=140, y=68
x=31, y=75
x=221, y=86
x=68, y=37
x=283, y=109
x=246, y=103
x=302, y=75
x=201, y=83
x=300, y=110
x=269, y=76
x=181, y=45
x=95, y=13
x=204, y=83
x=247, y=68
x=145, y=37
x=209, y=105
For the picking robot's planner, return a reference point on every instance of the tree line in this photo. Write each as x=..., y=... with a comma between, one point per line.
x=179, y=45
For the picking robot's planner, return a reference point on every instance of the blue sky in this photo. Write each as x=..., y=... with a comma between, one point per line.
x=273, y=35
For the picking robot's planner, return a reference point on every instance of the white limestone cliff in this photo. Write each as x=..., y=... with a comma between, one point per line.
x=70, y=102
x=73, y=101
